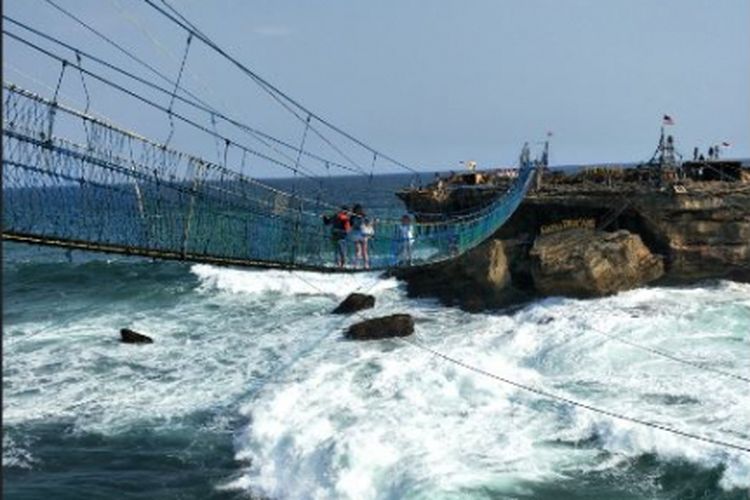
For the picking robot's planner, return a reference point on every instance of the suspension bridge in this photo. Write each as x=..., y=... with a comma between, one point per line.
x=76, y=180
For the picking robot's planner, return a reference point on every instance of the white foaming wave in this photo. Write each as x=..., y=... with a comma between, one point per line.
x=628, y=439
x=289, y=282
x=209, y=350
x=202, y=359
x=382, y=420
x=626, y=378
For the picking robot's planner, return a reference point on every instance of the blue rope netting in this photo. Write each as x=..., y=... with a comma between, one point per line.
x=118, y=192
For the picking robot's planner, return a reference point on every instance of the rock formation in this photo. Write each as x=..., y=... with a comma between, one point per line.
x=355, y=302
x=706, y=235
x=591, y=240
x=395, y=325
x=478, y=280
x=588, y=263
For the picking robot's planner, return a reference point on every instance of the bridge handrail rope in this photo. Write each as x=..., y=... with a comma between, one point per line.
x=156, y=105
x=468, y=218
x=100, y=122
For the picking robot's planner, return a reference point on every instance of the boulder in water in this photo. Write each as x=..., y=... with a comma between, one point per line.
x=395, y=325
x=355, y=302
x=129, y=336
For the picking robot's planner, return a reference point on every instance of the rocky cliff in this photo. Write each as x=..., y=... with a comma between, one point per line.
x=593, y=240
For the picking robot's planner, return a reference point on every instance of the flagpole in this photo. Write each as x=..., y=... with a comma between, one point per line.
x=661, y=147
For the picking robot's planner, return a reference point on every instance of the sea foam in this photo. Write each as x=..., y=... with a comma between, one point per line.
x=323, y=417
x=385, y=420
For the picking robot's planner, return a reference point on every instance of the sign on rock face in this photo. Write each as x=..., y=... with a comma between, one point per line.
x=568, y=224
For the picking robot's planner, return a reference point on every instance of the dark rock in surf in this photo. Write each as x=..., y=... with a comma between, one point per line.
x=355, y=302
x=129, y=336
x=395, y=325
x=478, y=280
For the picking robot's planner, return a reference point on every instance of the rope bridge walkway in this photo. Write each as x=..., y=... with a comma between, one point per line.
x=122, y=193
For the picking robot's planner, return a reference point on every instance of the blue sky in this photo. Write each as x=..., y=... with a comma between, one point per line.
x=433, y=83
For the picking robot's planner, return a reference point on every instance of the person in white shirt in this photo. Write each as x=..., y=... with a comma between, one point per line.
x=404, y=240
x=362, y=230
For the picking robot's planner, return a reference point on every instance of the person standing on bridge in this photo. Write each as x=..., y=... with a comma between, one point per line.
x=404, y=240
x=340, y=227
x=362, y=230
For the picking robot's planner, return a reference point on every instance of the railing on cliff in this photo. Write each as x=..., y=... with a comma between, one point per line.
x=75, y=181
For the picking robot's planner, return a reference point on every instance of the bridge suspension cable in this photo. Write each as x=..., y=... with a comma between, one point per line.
x=280, y=96
x=195, y=100
x=572, y=402
x=670, y=356
x=193, y=103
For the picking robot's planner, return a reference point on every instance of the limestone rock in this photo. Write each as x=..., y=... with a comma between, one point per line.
x=589, y=263
x=395, y=325
x=478, y=280
x=486, y=266
x=129, y=336
x=355, y=302
x=704, y=236
x=703, y=233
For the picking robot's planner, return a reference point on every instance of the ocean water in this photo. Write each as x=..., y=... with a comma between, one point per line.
x=250, y=390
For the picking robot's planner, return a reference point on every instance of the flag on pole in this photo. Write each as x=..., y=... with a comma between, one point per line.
x=726, y=144
x=667, y=120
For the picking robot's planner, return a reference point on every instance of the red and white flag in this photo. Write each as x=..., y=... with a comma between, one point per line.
x=667, y=120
